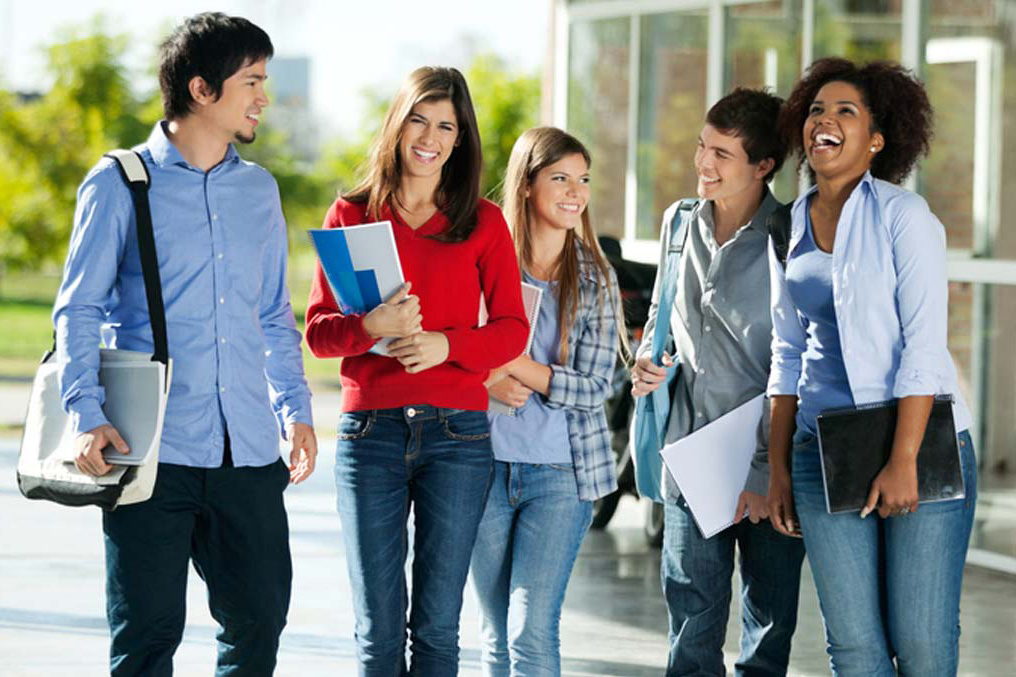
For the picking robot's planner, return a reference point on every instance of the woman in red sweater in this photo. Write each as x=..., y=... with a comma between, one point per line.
x=414, y=433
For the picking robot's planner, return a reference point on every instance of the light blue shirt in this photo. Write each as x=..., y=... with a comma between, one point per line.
x=890, y=295
x=536, y=433
x=823, y=383
x=221, y=242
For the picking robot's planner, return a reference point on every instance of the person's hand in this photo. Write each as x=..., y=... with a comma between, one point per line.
x=894, y=490
x=420, y=351
x=494, y=376
x=397, y=317
x=647, y=376
x=782, y=514
x=302, y=452
x=756, y=505
x=88, y=448
x=510, y=391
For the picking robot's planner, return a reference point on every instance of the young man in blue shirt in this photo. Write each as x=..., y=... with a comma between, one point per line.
x=238, y=376
x=721, y=329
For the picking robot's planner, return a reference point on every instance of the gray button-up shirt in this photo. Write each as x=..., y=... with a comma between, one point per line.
x=721, y=327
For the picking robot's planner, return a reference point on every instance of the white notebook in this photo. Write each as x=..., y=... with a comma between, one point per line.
x=531, y=298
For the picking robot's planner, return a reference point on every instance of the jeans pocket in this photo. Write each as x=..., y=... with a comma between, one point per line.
x=561, y=467
x=355, y=425
x=467, y=426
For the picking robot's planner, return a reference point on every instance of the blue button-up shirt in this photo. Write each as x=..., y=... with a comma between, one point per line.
x=221, y=242
x=890, y=295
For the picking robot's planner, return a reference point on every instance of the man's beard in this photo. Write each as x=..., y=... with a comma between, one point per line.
x=240, y=138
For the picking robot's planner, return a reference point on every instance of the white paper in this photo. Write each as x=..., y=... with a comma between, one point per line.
x=531, y=298
x=710, y=465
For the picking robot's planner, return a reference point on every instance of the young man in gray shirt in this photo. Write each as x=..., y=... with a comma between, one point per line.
x=721, y=329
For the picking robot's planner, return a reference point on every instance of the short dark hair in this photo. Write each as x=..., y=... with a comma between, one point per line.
x=752, y=115
x=896, y=99
x=212, y=46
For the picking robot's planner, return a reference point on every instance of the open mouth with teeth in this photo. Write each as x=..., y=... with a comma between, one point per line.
x=825, y=142
x=569, y=207
x=424, y=155
x=253, y=117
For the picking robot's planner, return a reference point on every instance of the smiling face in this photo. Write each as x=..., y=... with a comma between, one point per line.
x=723, y=168
x=559, y=192
x=429, y=135
x=235, y=113
x=837, y=134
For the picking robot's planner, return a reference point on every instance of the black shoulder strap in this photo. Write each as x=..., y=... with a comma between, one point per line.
x=135, y=175
x=779, y=231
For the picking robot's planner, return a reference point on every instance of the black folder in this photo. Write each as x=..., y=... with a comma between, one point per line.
x=855, y=444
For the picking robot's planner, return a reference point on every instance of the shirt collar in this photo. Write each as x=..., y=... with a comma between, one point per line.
x=164, y=153
x=766, y=207
x=758, y=219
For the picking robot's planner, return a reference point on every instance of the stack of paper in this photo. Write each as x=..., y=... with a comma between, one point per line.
x=531, y=298
x=362, y=266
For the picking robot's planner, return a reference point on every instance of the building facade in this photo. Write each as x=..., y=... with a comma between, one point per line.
x=633, y=79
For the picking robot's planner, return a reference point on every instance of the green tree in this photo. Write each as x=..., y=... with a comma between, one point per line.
x=506, y=104
x=47, y=144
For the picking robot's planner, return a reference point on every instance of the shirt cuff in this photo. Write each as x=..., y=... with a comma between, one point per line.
x=911, y=381
x=86, y=414
x=758, y=480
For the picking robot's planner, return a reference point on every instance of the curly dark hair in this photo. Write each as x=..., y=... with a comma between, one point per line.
x=898, y=103
x=751, y=114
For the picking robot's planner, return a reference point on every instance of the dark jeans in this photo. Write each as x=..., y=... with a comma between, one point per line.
x=696, y=576
x=437, y=461
x=232, y=523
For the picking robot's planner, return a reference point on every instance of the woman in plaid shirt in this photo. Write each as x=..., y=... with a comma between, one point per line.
x=553, y=456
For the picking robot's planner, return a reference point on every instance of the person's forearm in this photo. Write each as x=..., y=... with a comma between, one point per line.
x=911, y=420
x=783, y=410
x=531, y=374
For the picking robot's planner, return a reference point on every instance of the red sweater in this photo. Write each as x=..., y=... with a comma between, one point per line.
x=448, y=278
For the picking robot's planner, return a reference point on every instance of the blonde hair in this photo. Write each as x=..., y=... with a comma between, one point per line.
x=537, y=148
x=458, y=193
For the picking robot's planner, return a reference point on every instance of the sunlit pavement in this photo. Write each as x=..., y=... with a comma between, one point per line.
x=52, y=616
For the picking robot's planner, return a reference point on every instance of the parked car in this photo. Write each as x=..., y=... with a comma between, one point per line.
x=636, y=282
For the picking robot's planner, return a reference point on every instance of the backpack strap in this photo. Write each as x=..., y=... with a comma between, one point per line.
x=679, y=227
x=135, y=175
x=778, y=224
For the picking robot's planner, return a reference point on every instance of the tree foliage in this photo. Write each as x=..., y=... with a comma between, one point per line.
x=48, y=142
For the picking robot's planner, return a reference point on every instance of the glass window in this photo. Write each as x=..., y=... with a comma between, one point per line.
x=672, y=105
x=860, y=30
x=969, y=180
x=598, y=113
x=763, y=49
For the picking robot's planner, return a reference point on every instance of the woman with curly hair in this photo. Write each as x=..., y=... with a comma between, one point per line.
x=859, y=316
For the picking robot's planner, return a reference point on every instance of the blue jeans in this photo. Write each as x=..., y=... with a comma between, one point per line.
x=887, y=587
x=696, y=575
x=437, y=461
x=528, y=541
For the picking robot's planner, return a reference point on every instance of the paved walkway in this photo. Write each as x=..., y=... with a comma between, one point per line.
x=614, y=623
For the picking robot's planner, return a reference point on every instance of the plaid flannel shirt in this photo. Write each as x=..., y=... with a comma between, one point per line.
x=582, y=386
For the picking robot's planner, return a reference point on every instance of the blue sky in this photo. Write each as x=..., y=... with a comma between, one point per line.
x=352, y=44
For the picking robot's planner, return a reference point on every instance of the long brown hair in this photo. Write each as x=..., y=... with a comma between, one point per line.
x=537, y=148
x=458, y=193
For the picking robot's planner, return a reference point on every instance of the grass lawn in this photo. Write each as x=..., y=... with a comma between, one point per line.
x=26, y=331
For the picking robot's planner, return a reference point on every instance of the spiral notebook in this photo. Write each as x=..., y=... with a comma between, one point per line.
x=855, y=445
